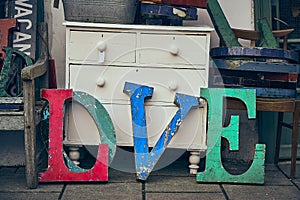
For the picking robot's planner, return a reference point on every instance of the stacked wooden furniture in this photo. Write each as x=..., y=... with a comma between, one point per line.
x=273, y=72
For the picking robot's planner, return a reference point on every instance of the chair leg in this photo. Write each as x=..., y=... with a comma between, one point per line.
x=294, y=141
x=30, y=149
x=30, y=134
x=278, y=137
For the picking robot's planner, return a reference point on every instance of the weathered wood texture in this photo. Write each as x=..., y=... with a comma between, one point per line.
x=12, y=116
x=264, y=37
x=12, y=121
x=8, y=104
x=57, y=170
x=145, y=161
x=269, y=79
x=249, y=65
x=11, y=100
x=236, y=52
x=29, y=133
x=214, y=171
x=168, y=11
x=254, y=36
x=34, y=71
x=237, y=66
x=165, y=14
x=221, y=24
x=28, y=76
x=27, y=118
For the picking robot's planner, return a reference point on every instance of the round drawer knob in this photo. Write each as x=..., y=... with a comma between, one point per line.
x=173, y=86
x=174, y=50
x=101, y=46
x=101, y=82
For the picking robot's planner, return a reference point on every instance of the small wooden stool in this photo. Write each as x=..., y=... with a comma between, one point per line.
x=281, y=106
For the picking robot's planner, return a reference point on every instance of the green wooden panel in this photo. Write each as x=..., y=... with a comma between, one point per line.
x=267, y=38
x=221, y=24
x=262, y=9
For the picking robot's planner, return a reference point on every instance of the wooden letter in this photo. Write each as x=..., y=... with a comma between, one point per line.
x=145, y=160
x=214, y=171
x=57, y=170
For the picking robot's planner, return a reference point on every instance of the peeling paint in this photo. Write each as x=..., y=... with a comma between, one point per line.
x=145, y=160
x=214, y=171
x=57, y=170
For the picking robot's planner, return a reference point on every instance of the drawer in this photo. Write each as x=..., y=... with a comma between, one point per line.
x=101, y=47
x=107, y=82
x=191, y=134
x=187, y=51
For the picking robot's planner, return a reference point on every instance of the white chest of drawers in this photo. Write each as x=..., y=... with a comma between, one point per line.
x=100, y=58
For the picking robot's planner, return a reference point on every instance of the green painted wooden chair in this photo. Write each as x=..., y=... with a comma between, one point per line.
x=260, y=65
x=229, y=36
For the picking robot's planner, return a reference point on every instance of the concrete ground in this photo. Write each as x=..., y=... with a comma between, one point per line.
x=172, y=182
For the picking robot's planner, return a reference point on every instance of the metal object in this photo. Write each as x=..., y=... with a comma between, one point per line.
x=113, y=11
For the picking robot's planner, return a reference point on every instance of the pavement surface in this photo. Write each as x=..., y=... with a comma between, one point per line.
x=172, y=182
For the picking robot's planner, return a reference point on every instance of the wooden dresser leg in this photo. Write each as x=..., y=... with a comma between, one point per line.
x=194, y=162
x=74, y=154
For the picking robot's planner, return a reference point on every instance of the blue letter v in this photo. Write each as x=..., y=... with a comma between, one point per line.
x=145, y=160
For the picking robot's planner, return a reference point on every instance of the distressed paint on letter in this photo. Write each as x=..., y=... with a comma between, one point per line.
x=145, y=160
x=57, y=170
x=214, y=170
